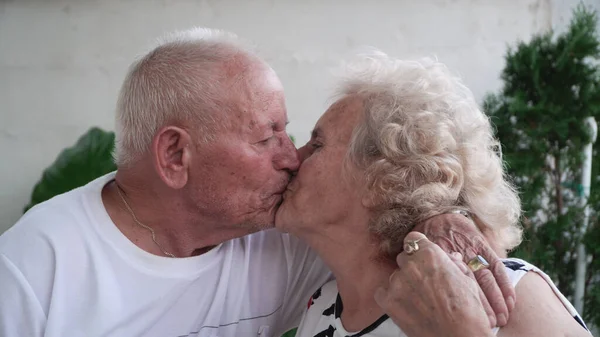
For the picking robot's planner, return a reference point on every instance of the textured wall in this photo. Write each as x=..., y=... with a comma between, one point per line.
x=61, y=62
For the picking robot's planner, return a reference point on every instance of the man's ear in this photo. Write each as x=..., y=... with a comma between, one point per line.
x=172, y=149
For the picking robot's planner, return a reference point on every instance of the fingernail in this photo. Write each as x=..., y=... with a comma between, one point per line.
x=510, y=303
x=502, y=320
x=492, y=319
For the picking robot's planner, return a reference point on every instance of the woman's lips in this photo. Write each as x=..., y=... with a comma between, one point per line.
x=287, y=192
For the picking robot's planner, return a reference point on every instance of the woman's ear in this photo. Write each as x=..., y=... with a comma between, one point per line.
x=368, y=198
x=172, y=149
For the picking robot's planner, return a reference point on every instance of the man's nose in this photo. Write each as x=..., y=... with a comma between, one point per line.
x=288, y=158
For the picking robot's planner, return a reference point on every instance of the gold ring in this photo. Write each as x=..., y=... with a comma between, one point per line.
x=411, y=246
x=477, y=263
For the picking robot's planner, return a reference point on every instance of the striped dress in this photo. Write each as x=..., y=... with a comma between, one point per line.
x=322, y=318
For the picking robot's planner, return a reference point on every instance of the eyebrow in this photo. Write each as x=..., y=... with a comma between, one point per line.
x=317, y=132
x=272, y=124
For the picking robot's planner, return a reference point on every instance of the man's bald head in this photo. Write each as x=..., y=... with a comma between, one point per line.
x=194, y=76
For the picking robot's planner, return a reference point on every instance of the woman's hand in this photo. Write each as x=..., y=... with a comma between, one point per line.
x=432, y=294
x=456, y=233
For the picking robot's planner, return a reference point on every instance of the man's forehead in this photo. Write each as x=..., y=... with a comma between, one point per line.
x=262, y=121
x=271, y=79
x=263, y=112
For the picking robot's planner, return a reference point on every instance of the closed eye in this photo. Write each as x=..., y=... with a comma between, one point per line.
x=315, y=145
x=266, y=140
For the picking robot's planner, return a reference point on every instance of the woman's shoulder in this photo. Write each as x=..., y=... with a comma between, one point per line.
x=517, y=269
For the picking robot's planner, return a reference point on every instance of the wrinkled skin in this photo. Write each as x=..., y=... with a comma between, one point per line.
x=463, y=237
x=434, y=294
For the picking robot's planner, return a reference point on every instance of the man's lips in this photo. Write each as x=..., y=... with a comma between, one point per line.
x=280, y=192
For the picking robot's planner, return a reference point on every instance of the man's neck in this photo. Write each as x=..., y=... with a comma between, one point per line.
x=177, y=230
x=358, y=272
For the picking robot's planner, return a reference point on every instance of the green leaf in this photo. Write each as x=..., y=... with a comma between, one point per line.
x=290, y=333
x=551, y=85
x=88, y=159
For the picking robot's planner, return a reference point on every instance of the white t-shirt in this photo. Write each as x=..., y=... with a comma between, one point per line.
x=322, y=318
x=67, y=270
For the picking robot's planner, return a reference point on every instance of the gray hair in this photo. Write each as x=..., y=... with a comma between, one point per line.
x=426, y=147
x=176, y=81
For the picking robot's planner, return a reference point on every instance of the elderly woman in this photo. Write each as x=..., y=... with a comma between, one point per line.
x=406, y=141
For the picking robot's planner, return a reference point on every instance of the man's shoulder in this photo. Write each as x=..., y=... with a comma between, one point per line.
x=54, y=220
x=276, y=250
x=269, y=238
x=272, y=240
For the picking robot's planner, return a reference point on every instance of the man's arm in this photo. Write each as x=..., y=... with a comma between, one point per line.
x=21, y=313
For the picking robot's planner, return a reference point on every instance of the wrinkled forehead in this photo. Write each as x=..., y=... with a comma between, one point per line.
x=269, y=80
x=342, y=117
x=243, y=71
x=255, y=92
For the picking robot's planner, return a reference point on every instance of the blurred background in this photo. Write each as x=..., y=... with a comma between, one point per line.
x=62, y=63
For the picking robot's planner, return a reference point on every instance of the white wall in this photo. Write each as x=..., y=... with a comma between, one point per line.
x=61, y=62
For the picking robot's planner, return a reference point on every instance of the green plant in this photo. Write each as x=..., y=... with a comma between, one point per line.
x=551, y=85
x=88, y=159
x=290, y=333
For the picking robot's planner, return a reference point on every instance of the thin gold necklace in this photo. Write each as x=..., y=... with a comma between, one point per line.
x=141, y=224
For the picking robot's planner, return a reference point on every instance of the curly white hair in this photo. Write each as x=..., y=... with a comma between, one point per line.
x=426, y=147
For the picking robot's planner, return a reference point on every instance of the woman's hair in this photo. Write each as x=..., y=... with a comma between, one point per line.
x=426, y=147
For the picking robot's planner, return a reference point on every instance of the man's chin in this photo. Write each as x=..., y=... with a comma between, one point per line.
x=268, y=222
x=259, y=226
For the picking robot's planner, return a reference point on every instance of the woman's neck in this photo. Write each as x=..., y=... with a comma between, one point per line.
x=358, y=272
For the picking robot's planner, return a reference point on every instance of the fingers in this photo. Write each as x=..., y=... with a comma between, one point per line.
x=421, y=242
x=502, y=280
x=493, y=295
x=457, y=259
x=506, y=287
x=504, y=283
x=381, y=297
x=456, y=256
x=488, y=309
x=414, y=236
x=494, y=282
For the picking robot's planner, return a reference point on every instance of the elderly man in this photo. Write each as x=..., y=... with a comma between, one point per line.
x=162, y=246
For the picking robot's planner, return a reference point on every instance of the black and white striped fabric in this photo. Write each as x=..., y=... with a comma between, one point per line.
x=322, y=318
